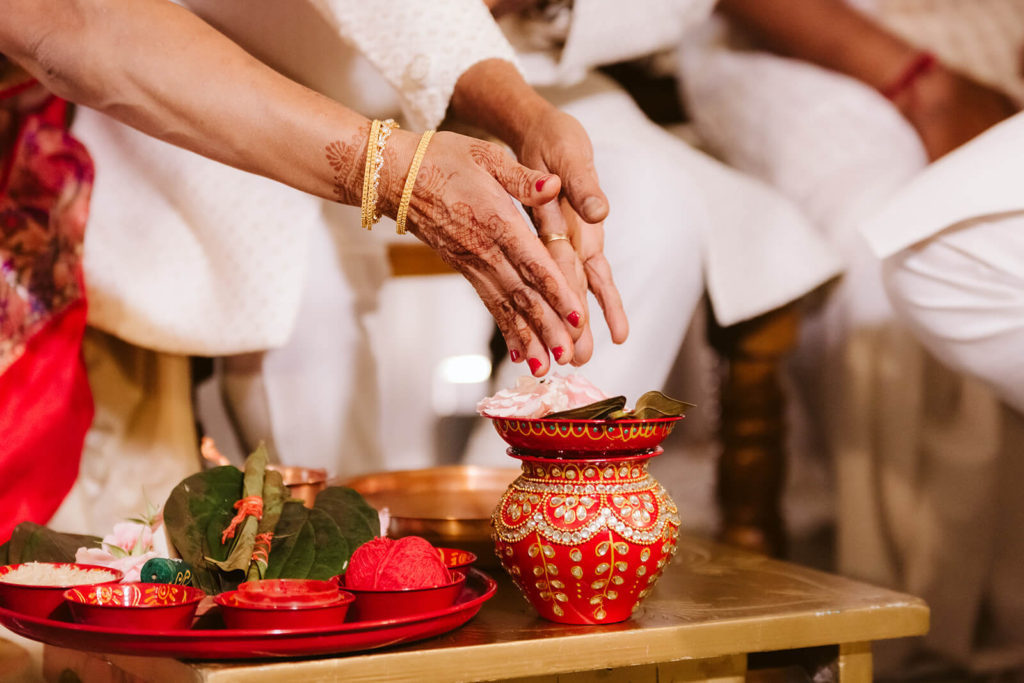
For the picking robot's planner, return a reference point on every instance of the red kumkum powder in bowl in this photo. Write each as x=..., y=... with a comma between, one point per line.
x=403, y=563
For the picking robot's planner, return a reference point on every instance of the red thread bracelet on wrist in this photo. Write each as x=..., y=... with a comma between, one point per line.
x=922, y=63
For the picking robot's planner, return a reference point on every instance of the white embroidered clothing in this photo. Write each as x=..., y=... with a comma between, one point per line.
x=420, y=48
x=185, y=255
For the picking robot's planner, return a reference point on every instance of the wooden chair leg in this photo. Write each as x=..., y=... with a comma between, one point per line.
x=751, y=472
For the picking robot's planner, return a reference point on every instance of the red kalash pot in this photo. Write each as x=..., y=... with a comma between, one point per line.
x=585, y=531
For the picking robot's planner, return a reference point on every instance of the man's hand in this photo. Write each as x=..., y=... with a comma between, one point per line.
x=550, y=141
x=556, y=142
x=500, y=8
x=581, y=258
x=947, y=109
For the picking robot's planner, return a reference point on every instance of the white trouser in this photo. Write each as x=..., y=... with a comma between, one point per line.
x=962, y=292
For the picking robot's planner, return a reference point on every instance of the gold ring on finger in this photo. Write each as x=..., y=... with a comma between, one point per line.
x=553, y=237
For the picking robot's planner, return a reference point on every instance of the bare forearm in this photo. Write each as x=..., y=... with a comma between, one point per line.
x=826, y=32
x=157, y=67
x=493, y=96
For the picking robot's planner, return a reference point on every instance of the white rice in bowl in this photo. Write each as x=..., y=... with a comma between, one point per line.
x=55, y=574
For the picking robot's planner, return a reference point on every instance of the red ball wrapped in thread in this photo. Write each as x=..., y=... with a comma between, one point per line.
x=396, y=564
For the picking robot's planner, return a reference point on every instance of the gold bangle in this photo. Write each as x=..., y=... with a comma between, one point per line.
x=554, y=237
x=371, y=148
x=386, y=127
x=410, y=181
x=380, y=131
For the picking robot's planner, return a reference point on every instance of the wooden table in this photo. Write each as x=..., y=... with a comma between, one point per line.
x=718, y=614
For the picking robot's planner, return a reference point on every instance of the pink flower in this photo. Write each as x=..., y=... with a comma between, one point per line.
x=128, y=548
x=129, y=535
x=533, y=398
x=131, y=565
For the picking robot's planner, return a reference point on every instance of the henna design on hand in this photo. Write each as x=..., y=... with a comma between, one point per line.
x=493, y=159
x=461, y=208
x=346, y=160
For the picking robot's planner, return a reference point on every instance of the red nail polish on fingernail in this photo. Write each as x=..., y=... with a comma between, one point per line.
x=534, y=364
x=574, y=319
x=558, y=351
x=540, y=183
x=514, y=355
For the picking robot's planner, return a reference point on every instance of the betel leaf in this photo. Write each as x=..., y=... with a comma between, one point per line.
x=357, y=519
x=274, y=496
x=32, y=542
x=317, y=543
x=655, y=404
x=332, y=547
x=598, y=410
x=242, y=539
x=289, y=541
x=196, y=513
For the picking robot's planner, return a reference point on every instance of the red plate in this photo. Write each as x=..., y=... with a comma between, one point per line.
x=569, y=438
x=222, y=643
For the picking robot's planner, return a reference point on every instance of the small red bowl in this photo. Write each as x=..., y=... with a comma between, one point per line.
x=566, y=436
x=287, y=593
x=41, y=601
x=269, y=617
x=374, y=605
x=454, y=558
x=141, y=606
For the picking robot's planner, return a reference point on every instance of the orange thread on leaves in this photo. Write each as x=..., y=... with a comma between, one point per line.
x=261, y=551
x=248, y=506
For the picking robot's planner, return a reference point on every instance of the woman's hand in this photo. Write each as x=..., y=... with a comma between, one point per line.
x=947, y=109
x=462, y=207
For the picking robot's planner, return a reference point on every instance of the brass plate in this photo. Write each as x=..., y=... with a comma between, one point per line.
x=449, y=506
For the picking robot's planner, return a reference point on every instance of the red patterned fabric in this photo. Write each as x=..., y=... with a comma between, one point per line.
x=45, y=403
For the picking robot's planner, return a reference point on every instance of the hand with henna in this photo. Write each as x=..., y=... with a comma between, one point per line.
x=462, y=207
x=247, y=115
x=550, y=141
